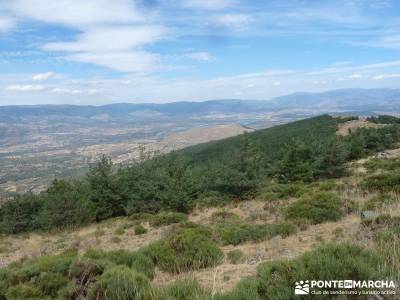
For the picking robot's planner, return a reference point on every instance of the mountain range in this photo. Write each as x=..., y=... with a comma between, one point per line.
x=352, y=100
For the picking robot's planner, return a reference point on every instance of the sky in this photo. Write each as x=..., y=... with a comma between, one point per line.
x=107, y=51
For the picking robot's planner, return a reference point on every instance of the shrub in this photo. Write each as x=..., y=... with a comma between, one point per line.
x=120, y=283
x=140, y=229
x=135, y=260
x=388, y=182
x=180, y=290
x=167, y=218
x=140, y=216
x=275, y=191
x=47, y=264
x=24, y=291
x=277, y=279
x=184, y=250
x=120, y=231
x=235, y=256
x=85, y=269
x=321, y=207
x=246, y=289
x=234, y=233
x=51, y=283
x=223, y=215
x=378, y=201
x=385, y=164
x=326, y=185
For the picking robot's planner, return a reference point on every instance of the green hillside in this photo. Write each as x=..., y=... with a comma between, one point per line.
x=235, y=168
x=291, y=187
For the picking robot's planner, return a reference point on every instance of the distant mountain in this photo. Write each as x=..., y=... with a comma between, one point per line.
x=130, y=110
x=358, y=99
x=354, y=100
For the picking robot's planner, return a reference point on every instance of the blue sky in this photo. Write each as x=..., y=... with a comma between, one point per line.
x=105, y=51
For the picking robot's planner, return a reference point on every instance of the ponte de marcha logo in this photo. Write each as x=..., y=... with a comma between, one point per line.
x=345, y=287
x=302, y=287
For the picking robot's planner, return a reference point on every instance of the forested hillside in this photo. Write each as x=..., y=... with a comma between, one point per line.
x=239, y=219
x=234, y=168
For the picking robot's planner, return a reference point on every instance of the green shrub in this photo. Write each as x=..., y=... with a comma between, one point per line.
x=180, y=290
x=277, y=279
x=184, y=250
x=326, y=185
x=246, y=289
x=387, y=182
x=234, y=233
x=135, y=260
x=167, y=218
x=275, y=191
x=51, y=283
x=120, y=231
x=321, y=207
x=142, y=216
x=235, y=256
x=140, y=229
x=378, y=201
x=24, y=291
x=85, y=269
x=384, y=164
x=223, y=215
x=120, y=283
x=59, y=264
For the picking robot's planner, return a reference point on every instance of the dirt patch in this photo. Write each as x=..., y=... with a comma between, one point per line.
x=353, y=125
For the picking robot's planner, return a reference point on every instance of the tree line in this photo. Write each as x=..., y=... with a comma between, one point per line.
x=234, y=168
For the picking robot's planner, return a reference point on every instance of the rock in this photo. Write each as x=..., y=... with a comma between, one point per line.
x=369, y=214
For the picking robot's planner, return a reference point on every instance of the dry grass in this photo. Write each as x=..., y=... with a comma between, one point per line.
x=226, y=275
x=355, y=124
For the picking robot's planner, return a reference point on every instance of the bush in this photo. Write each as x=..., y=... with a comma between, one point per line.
x=59, y=264
x=180, y=290
x=246, y=289
x=378, y=201
x=184, y=250
x=388, y=182
x=235, y=256
x=167, y=218
x=120, y=283
x=234, y=233
x=220, y=216
x=274, y=191
x=321, y=207
x=120, y=231
x=135, y=260
x=277, y=279
x=51, y=283
x=140, y=229
x=24, y=291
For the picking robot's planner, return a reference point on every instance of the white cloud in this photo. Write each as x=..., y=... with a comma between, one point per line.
x=355, y=76
x=44, y=76
x=74, y=91
x=131, y=61
x=25, y=88
x=233, y=20
x=202, y=56
x=111, y=38
x=386, y=76
x=77, y=13
x=6, y=23
x=207, y=4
